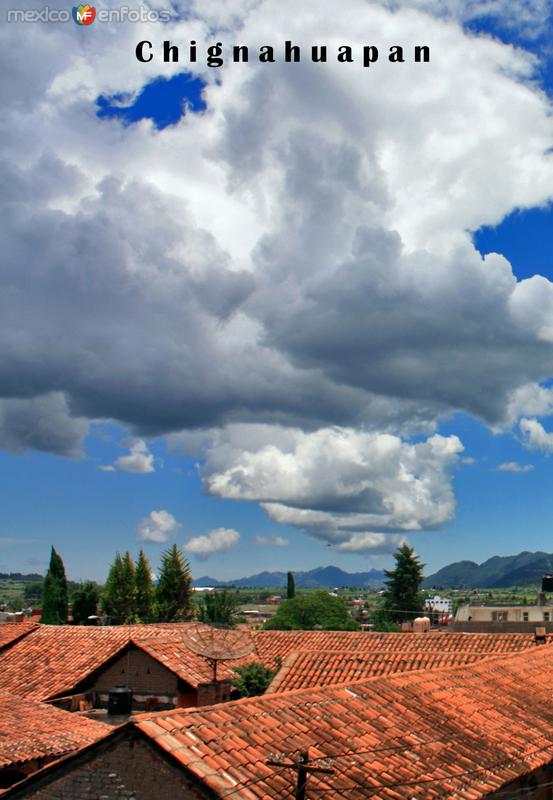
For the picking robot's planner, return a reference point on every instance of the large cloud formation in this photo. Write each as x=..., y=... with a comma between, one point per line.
x=295, y=260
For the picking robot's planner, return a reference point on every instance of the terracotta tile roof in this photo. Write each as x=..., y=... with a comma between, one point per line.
x=177, y=657
x=451, y=733
x=30, y=730
x=53, y=660
x=306, y=669
x=272, y=644
x=12, y=631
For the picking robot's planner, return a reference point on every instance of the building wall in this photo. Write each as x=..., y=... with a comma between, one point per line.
x=440, y=604
x=153, y=685
x=499, y=627
x=535, y=786
x=127, y=770
x=211, y=693
x=140, y=672
x=535, y=614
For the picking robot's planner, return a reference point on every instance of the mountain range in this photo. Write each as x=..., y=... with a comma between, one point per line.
x=497, y=572
x=319, y=578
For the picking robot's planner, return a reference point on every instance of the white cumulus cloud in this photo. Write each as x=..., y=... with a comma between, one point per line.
x=218, y=540
x=138, y=461
x=157, y=527
x=338, y=485
x=535, y=437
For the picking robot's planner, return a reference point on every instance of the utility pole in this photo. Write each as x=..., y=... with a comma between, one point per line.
x=302, y=767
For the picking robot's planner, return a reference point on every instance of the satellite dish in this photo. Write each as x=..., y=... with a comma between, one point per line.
x=218, y=644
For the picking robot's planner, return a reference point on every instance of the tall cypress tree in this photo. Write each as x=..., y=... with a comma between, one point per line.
x=290, y=586
x=174, y=589
x=144, y=589
x=403, y=585
x=54, y=595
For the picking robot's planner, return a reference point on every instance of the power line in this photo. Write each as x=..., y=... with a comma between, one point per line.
x=425, y=781
x=372, y=791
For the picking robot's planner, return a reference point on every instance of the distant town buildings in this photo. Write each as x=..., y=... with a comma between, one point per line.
x=503, y=619
x=443, y=605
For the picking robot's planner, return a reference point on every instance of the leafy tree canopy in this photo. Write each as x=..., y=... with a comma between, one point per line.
x=218, y=608
x=253, y=679
x=85, y=602
x=305, y=612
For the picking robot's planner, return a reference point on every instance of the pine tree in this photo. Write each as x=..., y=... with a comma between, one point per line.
x=129, y=589
x=85, y=603
x=403, y=585
x=111, y=597
x=119, y=598
x=54, y=595
x=174, y=589
x=144, y=589
x=290, y=586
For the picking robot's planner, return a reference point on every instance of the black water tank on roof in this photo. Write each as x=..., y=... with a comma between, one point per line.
x=547, y=583
x=119, y=700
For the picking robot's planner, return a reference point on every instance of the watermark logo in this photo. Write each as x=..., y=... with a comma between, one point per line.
x=84, y=14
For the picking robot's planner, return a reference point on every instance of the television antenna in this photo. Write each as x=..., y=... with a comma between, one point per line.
x=217, y=645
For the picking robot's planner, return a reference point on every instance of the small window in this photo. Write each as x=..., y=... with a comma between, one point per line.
x=546, y=616
x=525, y=616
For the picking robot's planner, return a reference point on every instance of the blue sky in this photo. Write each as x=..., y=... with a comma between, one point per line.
x=67, y=499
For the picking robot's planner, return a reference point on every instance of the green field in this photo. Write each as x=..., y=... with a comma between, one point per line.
x=11, y=593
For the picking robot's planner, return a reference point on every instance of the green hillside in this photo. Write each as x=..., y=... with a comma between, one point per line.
x=524, y=569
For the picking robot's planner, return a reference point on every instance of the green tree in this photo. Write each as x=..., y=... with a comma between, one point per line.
x=144, y=589
x=119, y=598
x=382, y=621
x=128, y=577
x=173, y=595
x=111, y=597
x=403, y=585
x=253, y=679
x=33, y=592
x=316, y=609
x=290, y=586
x=218, y=608
x=85, y=602
x=54, y=593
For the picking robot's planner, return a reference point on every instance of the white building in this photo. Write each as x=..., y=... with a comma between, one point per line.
x=442, y=605
x=517, y=614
